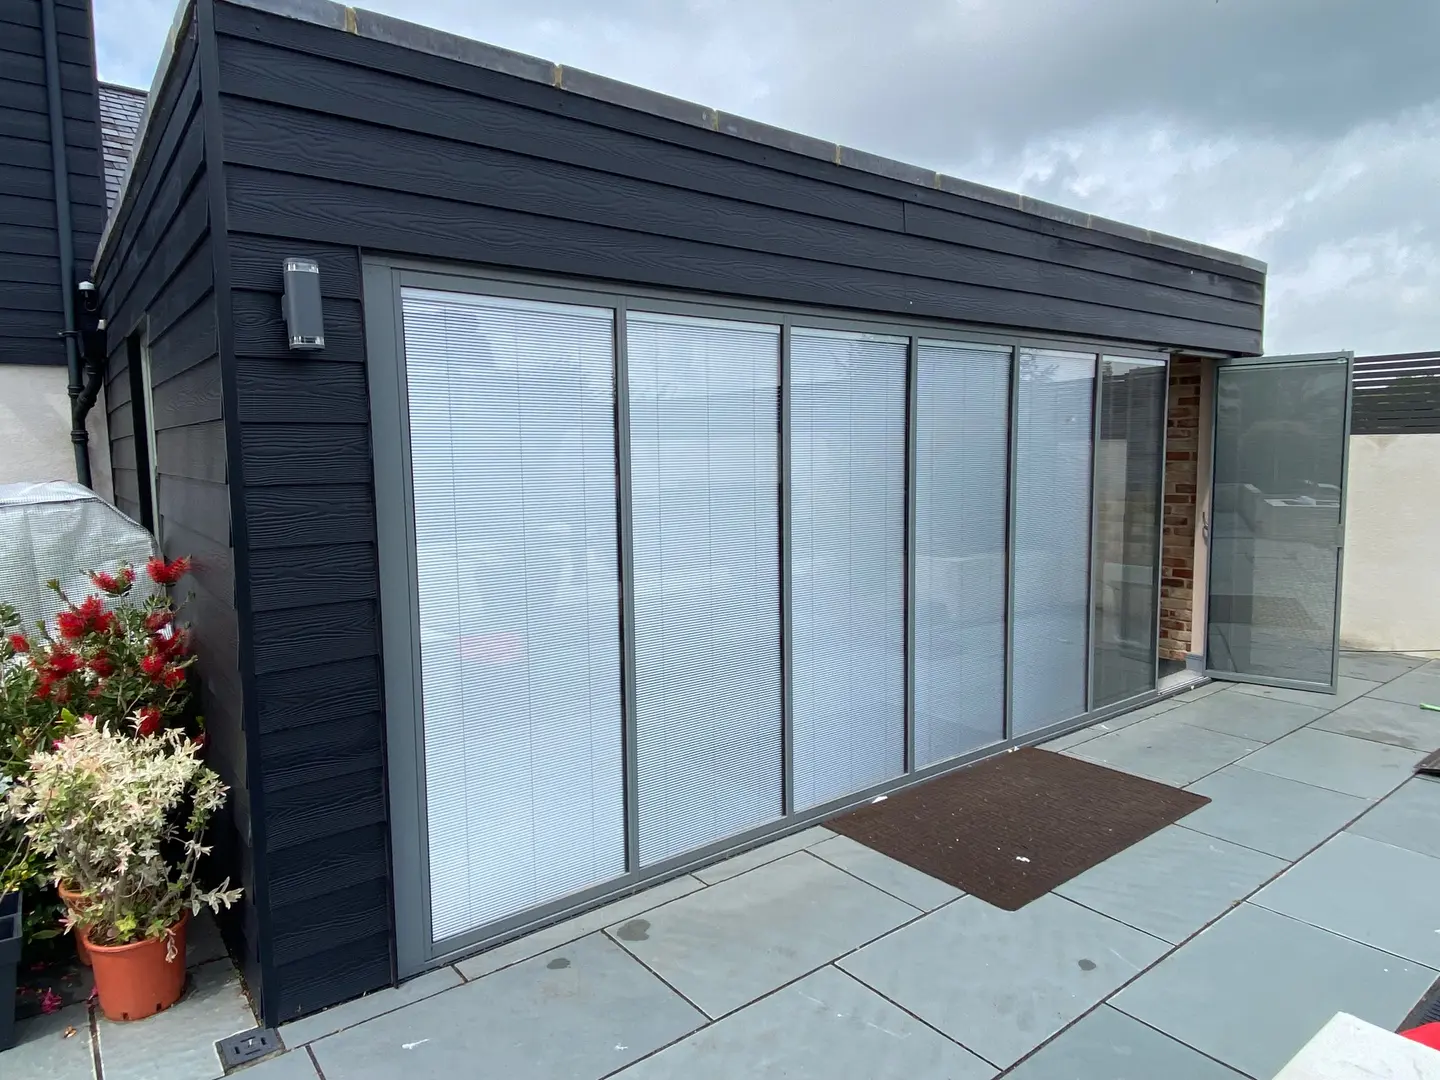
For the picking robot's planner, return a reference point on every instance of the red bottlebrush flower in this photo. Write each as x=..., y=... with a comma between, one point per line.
x=147, y=720
x=104, y=623
x=102, y=665
x=44, y=687
x=19, y=643
x=153, y=665
x=199, y=741
x=90, y=609
x=158, y=620
x=163, y=573
x=63, y=662
x=117, y=584
x=173, y=678
x=171, y=646
x=71, y=625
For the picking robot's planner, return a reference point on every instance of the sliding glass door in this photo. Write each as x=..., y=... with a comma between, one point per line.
x=662, y=578
x=1050, y=610
x=516, y=566
x=1129, y=468
x=704, y=404
x=961, y=466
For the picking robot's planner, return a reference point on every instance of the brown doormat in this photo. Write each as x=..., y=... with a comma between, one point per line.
x=1013, y=827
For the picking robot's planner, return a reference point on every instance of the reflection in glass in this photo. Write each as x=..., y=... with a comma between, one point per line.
x=704, y=467
x=1128, y=465
x=961, y=465
x=1279, y=463
x=1053, y=438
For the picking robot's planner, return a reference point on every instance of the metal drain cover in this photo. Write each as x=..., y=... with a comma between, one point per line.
x=248, y=1046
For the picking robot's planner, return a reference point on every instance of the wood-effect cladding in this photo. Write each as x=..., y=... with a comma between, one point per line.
x=30, y=286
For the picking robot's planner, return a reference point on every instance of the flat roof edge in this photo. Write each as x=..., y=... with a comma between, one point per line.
x=393, y=31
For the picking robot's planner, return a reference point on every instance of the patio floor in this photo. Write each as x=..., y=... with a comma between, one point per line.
x=1213, y=949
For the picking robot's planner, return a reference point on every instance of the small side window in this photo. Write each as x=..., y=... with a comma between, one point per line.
x=143, y=414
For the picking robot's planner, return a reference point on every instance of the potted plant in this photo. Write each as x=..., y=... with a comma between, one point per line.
x=119, y=655
x=123, y=820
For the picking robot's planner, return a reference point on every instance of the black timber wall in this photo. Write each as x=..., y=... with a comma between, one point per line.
x=156, y=281
x=30, y=287
x=332, y=144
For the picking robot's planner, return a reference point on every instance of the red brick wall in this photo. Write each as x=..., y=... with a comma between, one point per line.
x=1177, y=552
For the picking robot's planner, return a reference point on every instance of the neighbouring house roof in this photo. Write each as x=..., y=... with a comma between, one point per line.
x=121, y=108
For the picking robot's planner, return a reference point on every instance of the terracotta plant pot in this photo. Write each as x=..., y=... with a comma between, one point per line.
x=76, y=903
x=135, y=981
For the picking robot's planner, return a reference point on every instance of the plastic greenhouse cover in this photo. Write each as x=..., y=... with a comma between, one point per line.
x=62, y=530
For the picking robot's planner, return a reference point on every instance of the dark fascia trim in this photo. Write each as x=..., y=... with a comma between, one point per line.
x=407, y=35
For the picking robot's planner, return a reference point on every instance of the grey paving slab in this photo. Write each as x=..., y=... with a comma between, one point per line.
x=1270, y=813
x=1002, y=982
x=179, y=1043
x=1368, y=891
x=1377, y=667
x=1393, y=722
x=1369, y=770
x=1108, y=1045
x=1349, y=689
x=765, y=853
x=1253, y=988
x=726, y=945
x=823, y=1027
x=584, y=1010
x=1256, y=718
x=571, y=929
x=1422, y=684
x=1408, y=818
x=1173, y=882
x=42, y=1051
x=889, y=875
x=296, y=1065
x=203, y=943
x=1162, y=750
x=1114, y=723
x=368, y=1007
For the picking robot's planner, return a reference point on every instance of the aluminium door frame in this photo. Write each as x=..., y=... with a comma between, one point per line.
x=1348, y=357
x=383, y=280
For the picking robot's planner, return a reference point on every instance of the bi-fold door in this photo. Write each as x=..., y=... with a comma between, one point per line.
x=660, y=578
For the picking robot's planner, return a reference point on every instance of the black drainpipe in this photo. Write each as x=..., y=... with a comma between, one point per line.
x=60, y=169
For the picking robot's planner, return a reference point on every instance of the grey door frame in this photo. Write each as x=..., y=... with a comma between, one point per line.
x=1295, y=359
x=383, y=279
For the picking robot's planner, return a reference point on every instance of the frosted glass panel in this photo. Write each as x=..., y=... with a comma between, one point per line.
x=1129, y=460
x=704, y=446
x=1052, y=536
x=847, y=576
x=961, y=466
x=512, y=443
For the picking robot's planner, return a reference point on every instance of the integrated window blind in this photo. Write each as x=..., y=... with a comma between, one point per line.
x=961, y=466
x=1054, y=433
x=512, y=444
x=847, y=577
x=704, y=441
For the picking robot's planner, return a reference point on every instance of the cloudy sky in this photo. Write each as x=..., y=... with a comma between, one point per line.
x=1303, y=132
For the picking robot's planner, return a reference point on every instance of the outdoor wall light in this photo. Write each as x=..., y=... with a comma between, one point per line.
x=304, y=319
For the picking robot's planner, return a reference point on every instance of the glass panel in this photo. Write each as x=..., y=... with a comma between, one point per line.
x=512, y=443
x=1129, y=462
x=1279, y=463
x=847, y=584
x=704, y=450
x=961, y=464
x=1052, y=537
